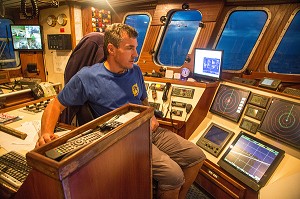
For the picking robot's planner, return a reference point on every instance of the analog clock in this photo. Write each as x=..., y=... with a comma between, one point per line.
x=185, y=73
x=51, y=20
x=62, y=19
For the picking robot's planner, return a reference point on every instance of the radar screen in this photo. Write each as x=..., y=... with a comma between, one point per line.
x=229, y=102
x=251, y=160
x=282, y=122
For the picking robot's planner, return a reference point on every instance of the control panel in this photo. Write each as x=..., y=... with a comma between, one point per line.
x=59, y=42
x=174, y=101
x=36, y=107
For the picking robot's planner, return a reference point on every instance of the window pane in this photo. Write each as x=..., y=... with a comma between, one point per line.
x=8, y=58
x=178, y=37
x=141, y=23
x=287, y=56
x=239, y=37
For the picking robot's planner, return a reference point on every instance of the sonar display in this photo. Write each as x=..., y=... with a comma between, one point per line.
x=282, y=122
x=251, y=160
x=229, y=102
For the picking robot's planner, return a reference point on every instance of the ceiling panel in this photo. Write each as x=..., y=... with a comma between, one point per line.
x=45, y=3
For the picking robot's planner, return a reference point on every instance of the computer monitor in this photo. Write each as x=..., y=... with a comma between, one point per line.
x=207, y=64
x=27, y=37
x=251, y=160
x=229, y=102
x=282, y=122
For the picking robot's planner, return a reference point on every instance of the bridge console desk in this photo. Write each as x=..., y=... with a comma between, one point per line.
x=111, y=151
x=253, y=114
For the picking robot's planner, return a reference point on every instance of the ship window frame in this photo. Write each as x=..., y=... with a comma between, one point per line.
x=163, y=32
x=285, y=29
x=263, y=30
x=147, y=30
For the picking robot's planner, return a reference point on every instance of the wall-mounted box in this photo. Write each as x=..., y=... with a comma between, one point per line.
x=59, y=42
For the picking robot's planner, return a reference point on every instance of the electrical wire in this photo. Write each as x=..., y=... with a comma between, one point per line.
x=34, y=11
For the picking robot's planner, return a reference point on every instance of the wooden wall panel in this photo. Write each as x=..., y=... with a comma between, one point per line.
x=35, y=58
x=86, y=14
x=146, y=58
x=210, y=9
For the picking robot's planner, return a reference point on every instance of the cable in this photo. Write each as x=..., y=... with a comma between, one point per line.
x=2, y=9
x=34, y=11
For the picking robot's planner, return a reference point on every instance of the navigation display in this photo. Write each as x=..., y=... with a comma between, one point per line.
x=251, y=160
x=282, y=122
x=214, y=139
x=229, y=102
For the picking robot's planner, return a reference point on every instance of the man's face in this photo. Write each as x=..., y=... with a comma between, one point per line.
x=126, y=53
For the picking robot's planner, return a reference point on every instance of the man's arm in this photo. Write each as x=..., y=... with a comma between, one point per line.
x=154, y=122
x=49, y=120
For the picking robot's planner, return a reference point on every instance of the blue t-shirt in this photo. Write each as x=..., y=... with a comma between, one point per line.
x=104, y=90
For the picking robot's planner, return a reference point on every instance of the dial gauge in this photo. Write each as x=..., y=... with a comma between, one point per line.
x=51, y=20
x=62, y=19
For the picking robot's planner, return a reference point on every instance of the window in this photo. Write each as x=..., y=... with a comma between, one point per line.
x=180, y=30
x=141, y=23
x=286, y=59
x=9, y=59
x=240, y=36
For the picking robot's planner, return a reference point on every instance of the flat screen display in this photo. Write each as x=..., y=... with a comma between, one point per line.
x=27, y=37
x=229, y=102
x=251, y=160
x=216, y=135
x=282, y=122
x=208, y=64
x=214, y=139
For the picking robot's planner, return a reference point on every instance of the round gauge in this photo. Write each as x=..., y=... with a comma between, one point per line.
x=62, y=19
x=185, y=72
x=51, y=20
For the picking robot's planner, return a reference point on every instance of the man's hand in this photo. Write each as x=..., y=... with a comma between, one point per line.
x=153, y=124
x=45, y=138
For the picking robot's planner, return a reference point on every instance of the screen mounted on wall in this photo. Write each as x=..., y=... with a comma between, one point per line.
x=282, y=122
x=251, y=160
x=229, y=102
x=27, y=37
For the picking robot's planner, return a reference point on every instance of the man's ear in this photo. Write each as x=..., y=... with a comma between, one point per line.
x=110, y=48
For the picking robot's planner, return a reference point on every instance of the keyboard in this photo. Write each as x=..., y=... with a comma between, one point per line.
x=13, y=168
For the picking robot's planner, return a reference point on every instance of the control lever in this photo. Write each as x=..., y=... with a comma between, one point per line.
x=188, y=109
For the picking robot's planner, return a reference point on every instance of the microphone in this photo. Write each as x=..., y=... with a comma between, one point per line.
x=166, y=91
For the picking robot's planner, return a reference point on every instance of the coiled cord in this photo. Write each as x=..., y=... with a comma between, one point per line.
x=34, y=11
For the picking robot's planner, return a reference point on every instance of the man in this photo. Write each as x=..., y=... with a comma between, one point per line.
x=109, y=85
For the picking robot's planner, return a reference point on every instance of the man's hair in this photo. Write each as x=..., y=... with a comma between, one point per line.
x=114, y=33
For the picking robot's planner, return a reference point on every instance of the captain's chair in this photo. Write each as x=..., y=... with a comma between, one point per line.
x=88, y=52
